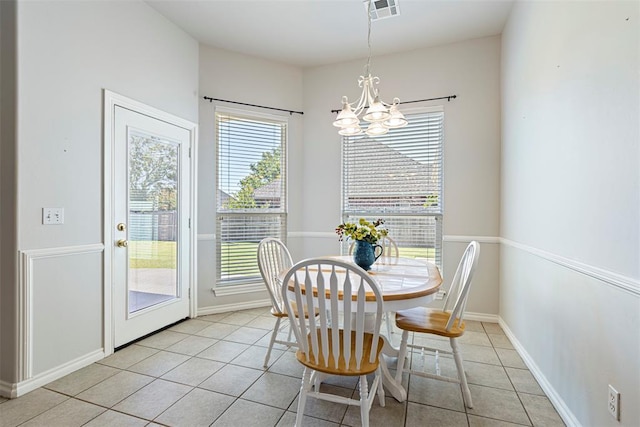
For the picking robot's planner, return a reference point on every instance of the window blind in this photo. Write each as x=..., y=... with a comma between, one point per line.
x=251, y=191
x=398, y=177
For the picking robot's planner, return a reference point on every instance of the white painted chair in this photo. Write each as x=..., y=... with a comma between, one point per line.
x=273, y=259
x=445, y=322
x=338, y=341
x=390, y=251
x=389, y=247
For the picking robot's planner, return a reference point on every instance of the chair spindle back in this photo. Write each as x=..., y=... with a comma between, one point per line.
x=273, y=259
x=341, y=319
x=456, y=299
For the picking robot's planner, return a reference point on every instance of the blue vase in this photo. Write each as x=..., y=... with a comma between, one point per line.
x=364, y=254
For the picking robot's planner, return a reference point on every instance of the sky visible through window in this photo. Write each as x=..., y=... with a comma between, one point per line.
x=241, y=144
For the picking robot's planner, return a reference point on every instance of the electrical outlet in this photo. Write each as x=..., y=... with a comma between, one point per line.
x=441, y=294
x=614, y=403
x=52, y=216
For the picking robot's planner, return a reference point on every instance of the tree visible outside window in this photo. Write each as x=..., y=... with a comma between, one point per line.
x=153, y=189
x=263, y=173
x=251, y=191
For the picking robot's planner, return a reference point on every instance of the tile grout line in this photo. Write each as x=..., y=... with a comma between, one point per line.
x=285, y=371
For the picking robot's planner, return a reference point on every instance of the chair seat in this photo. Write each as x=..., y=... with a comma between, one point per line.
x=366, y=367
x=428, y=320
x=283, y=313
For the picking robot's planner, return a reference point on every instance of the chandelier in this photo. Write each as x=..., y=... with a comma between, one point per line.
x=380, y=115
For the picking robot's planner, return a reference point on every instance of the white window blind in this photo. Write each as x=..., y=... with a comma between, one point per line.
x=398, y=177
x=251, y=191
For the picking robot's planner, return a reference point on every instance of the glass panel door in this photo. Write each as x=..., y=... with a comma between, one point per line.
x=153, y=219
x=151, y=226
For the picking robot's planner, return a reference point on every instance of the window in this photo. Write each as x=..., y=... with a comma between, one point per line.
x=398, y=177
x=251, y=191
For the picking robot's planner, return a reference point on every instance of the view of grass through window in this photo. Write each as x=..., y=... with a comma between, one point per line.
x=251, y=191
x=164, y=254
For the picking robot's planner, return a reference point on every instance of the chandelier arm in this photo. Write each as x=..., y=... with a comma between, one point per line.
x=372, y=93
x=362, y=102
x=377, y=112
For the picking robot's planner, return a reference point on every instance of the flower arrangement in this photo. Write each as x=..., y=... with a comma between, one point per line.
x=362, y=230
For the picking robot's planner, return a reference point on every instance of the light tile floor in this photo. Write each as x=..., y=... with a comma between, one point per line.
x=208, y=371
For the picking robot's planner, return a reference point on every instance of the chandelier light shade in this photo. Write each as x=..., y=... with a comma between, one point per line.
x=369, y=108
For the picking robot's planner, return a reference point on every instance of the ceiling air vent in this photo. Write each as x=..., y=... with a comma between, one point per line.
x=381, y=9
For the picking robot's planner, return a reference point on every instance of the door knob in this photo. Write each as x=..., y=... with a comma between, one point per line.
x=122, y=243
x=121, y=226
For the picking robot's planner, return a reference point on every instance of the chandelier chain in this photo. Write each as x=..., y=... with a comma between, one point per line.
x=368, y=69
x=379, y=115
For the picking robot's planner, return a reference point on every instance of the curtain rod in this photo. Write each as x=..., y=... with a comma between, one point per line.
x=252, y=105
x=448, y=98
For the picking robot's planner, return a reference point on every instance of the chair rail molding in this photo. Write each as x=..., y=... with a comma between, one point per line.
x=624, y=283
x=446, y=238
x=468, y=239
x=25, y=298
x=619, y=281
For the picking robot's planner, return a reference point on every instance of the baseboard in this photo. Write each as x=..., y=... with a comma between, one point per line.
x=481, y=317
x=224, y=308
x=16, y=390
x=563, y=410
x=8, y=390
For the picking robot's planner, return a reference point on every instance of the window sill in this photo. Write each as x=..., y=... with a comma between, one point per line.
x=250, y=288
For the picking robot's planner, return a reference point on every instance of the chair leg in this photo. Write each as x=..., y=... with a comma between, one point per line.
x=402, y=355
x=387, y=316
x=316, y=380
x=364, y=401
x=289, y=334
x=380, y=387
x=274, y=335
x=461, y=374
x=302, y=398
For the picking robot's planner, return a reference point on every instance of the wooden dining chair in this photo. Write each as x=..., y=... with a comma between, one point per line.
x=338, y=341
x=390, y=252
x=273, y=259
x=446, y=322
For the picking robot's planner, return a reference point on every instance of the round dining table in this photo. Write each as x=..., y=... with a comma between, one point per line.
x=404, y=283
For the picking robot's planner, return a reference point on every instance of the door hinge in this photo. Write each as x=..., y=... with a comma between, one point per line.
x=189, y=293
x=189, y=222
x=189, y=152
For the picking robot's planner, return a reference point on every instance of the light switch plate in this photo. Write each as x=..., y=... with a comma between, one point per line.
x=52, y=216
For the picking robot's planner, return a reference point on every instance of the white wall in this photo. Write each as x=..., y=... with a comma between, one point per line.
x=130, y=49
x=570, y=266
x=241, y=78
x=8, y=191
x=470, y=70
x=569, y=103
x=472, y=148
x=68, y=52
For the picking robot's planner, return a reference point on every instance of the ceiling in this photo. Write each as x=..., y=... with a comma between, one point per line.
x=309, y=33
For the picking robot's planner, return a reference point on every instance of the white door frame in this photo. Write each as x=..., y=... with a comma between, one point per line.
x=111, y=100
